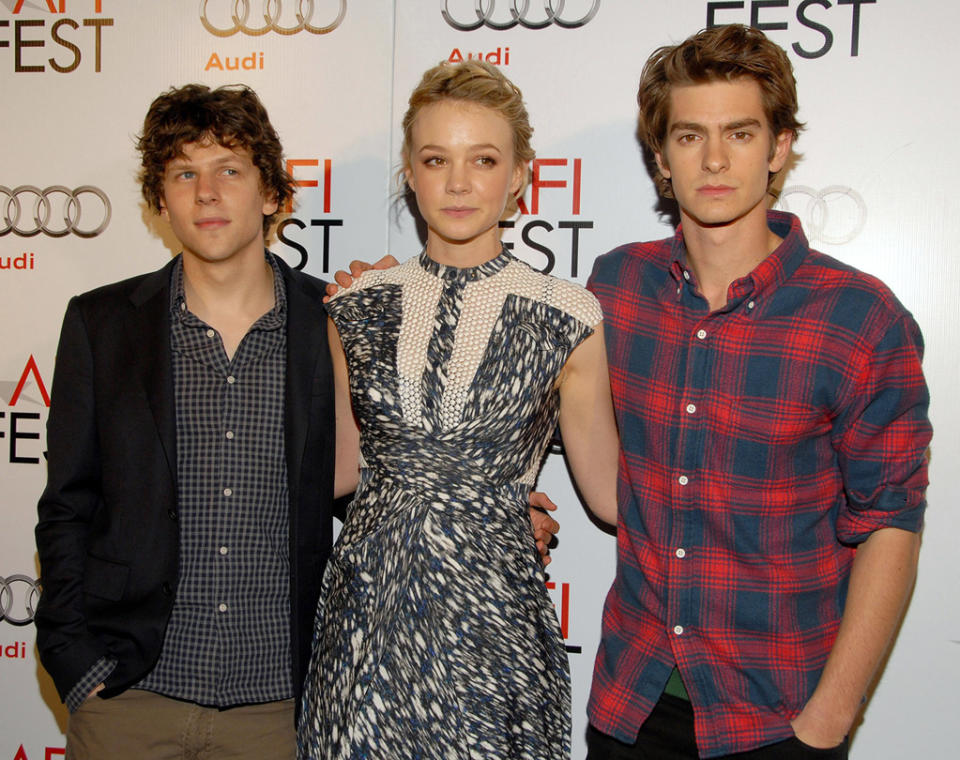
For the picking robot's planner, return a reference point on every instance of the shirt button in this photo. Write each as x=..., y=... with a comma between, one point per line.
x=681, y=553
x=210, y=333
x=701, y=334
x=686, y=275
x=231, y=379
x=691, y=408
x=683, y=480
x=229, y=435
x=183, y=306
x=228, y=492
x=224, y=550
x=750, y=305
x=223, y=608
x=677, y=629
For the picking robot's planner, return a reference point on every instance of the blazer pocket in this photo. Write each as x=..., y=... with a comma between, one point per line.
x=105, y=579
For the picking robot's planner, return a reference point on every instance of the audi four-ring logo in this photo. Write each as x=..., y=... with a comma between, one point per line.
x=519, y=15
x=268, y=18
x=27, y=211
x=18, y=599
x=834, y=215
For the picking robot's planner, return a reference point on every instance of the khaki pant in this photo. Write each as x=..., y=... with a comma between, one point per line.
x=147, y=726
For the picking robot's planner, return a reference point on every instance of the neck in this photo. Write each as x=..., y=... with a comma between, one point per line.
x=721, y=254
x=461, y=254
x=226, y=292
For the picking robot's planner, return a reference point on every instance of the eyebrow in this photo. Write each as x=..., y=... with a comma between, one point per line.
x=181, y=162
x=479, y=146
x=696, y=127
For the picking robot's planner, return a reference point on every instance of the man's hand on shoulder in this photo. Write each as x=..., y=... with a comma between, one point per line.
x=345, y=279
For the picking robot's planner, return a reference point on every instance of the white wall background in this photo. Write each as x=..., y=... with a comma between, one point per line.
x=871, y=183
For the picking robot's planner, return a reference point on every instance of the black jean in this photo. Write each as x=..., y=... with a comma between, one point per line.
x=668, y=735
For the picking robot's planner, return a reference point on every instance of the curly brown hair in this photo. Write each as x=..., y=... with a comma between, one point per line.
x=475, y=82
x=232, y=116
x=721, y=53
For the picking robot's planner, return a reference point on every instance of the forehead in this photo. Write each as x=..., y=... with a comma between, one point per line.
x=717, y=102
x=457, y=121
x=209, y=150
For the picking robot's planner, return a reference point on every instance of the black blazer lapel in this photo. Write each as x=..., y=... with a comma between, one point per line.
x=306, y=345
x=148, y=336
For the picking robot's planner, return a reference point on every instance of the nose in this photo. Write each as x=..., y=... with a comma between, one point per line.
x=458, y=181
x=715, y=157
x=206, y=191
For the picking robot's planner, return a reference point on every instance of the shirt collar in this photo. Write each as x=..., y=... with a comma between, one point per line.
x=271, y=320
x=768, y=275
x=466, y=274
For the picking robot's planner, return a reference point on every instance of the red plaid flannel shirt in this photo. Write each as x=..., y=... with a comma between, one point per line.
x=761, y=443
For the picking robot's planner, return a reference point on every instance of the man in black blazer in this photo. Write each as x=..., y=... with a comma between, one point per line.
x=187, y=515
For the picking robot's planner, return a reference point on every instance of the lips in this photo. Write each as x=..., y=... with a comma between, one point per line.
x=715, y=191
x=458, y=212
x=211, y=223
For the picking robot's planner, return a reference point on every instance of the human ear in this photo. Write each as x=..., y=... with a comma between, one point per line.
x=662, y=164
x=781, y=150
x=517, y=181
x=270, y=204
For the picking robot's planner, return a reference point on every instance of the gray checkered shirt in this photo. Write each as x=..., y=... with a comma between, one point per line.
x=228, y=639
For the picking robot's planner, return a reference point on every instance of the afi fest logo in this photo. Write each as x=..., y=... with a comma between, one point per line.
x=818, y=18
x=56, y=211
x=254, y=18
x=834, y=215
x=18, y=605
x=315, y=175
x=557, y=243
x=71, y=40
x=49, y=753
x=469, y=15
x=21, y=430
x=560, y=594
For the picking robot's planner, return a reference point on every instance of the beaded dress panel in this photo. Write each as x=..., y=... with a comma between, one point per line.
x=435, y=637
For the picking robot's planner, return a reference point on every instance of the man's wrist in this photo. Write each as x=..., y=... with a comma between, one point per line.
x=91, y=683
x=822, y=729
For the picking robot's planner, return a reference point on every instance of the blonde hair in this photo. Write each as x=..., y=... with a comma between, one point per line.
x=475, y=82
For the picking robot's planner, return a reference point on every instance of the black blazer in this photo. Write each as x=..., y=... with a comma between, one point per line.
x=107, y=536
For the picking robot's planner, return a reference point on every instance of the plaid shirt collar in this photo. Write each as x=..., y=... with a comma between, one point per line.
x=274, y=319
x=767, y=276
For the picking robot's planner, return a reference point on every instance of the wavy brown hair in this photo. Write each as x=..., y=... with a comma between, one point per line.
x=724, y=53
x=475, y=82
x=231, y=116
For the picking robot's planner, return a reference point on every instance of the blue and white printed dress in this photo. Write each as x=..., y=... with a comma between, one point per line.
x=435, y=637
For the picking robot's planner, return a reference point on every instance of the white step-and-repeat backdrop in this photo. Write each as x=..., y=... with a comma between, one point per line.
x=871, y=182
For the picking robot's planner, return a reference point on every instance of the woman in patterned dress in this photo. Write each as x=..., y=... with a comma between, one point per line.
x=435, y=637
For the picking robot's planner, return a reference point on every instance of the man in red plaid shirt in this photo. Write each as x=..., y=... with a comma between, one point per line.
x=773, y=417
